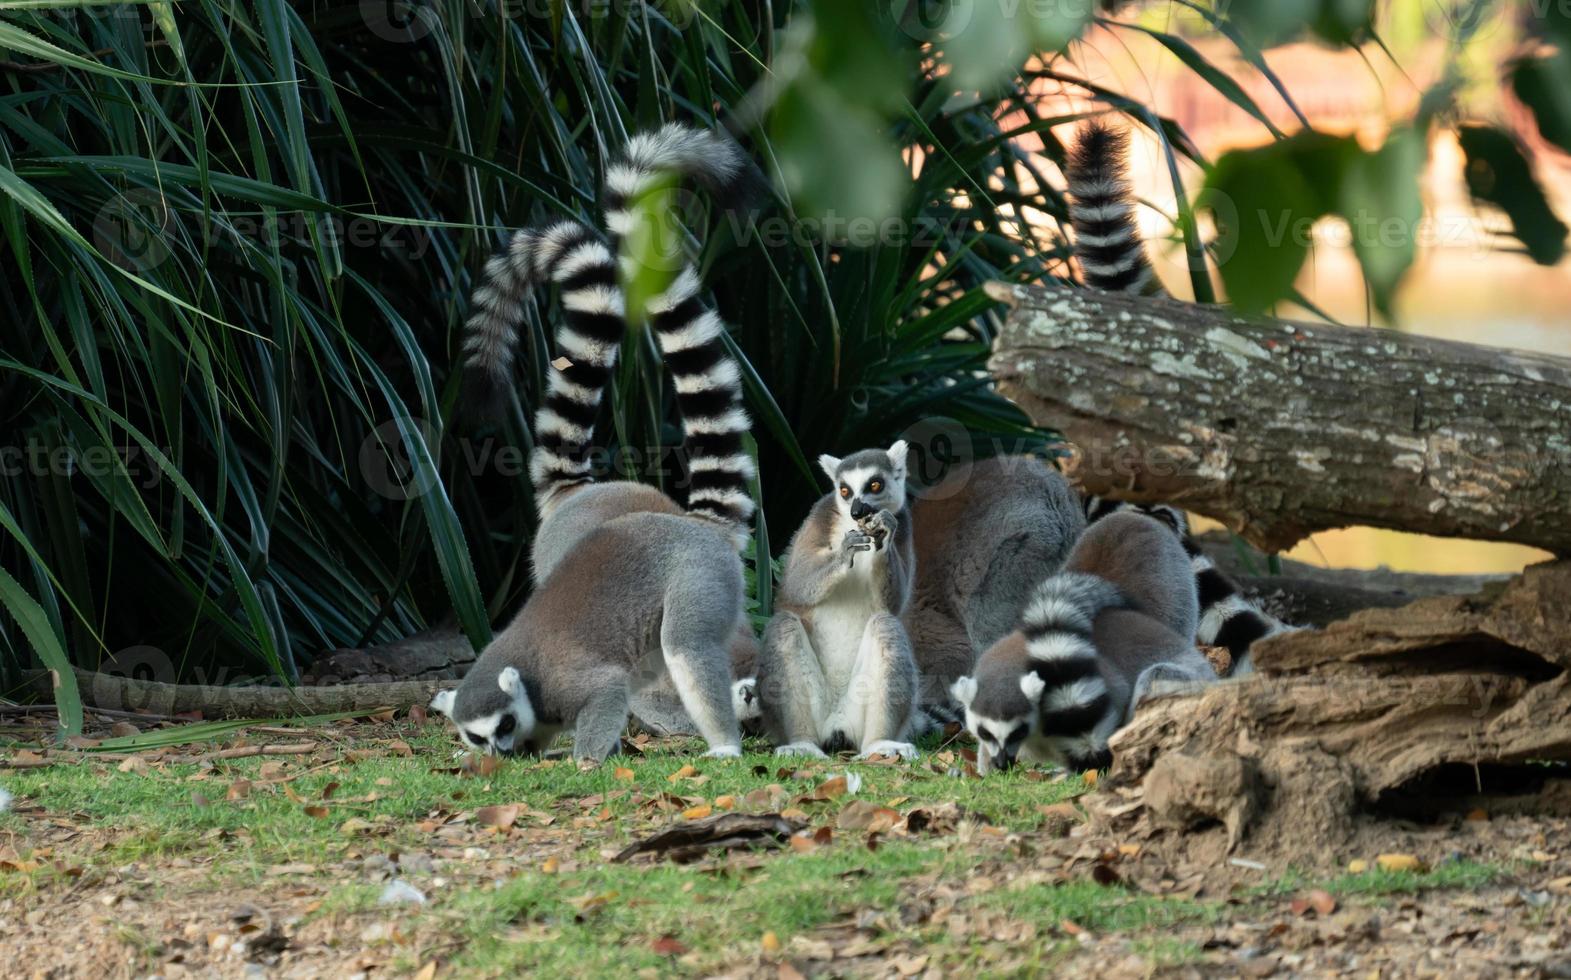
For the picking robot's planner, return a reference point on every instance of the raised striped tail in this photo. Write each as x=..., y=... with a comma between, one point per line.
x=1072, y=697
x=708, y=158
x=692, y=342
x=1112, y=256
x=588, y=338
x=708, y=385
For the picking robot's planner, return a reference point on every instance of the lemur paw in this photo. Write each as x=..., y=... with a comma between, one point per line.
x=744, y=699
x=889, y=749
x=724, y=752
x=880, y=526
x=801, y=748
x=856, y=540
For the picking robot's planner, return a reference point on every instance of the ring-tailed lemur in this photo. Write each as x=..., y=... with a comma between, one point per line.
x=984, y=538
x=1107, y=240
x=631, y=587
x=1092, y=642
x=836, y=669
x=1227, y=617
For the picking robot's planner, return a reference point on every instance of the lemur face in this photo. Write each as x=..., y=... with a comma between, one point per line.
x=1000, y=715
x=495, y=722
x=869, y=481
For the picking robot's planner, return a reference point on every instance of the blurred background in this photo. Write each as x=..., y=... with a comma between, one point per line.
x=238, y=240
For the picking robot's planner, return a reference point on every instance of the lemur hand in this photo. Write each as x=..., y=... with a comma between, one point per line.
x=880, y=526
x=855, y=540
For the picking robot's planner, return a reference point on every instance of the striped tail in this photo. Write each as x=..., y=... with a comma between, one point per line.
x=707, y=379
x=588, y=338
x=1112, y=256
x=1074, y=703
x=673, y=150
x=1227, y=617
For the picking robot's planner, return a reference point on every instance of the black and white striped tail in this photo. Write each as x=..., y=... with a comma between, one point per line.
x=707, y=379
x=1075, y=703
x=1107, y=240
x=1227, y=617
x=588, y=338
x=673, y=150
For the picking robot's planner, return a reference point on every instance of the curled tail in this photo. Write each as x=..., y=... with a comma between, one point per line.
x=588, y=338
x=1072, y=697
x=1227, y=617
x=1112, y=256
x=692, y=339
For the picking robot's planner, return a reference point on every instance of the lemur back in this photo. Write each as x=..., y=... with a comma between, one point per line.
x=985, y=537
x=630, y=587
x=1093, y=639
x=1227, y=617
x=835, y=669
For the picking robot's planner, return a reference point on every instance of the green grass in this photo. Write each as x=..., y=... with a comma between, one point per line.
x=508, y=911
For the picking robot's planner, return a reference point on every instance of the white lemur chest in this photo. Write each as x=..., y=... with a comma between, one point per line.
x=840, y=621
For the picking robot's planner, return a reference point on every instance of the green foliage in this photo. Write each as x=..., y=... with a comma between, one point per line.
x=239, y=239
x=238, y=244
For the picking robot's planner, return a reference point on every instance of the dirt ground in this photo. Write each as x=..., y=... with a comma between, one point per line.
x=261, y=874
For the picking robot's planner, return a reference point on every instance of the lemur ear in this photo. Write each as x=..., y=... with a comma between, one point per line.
x=897, y=454
x=443, y=702
x=963, y=690
x=829, y=464
x=509, y=681
x=1032, y=686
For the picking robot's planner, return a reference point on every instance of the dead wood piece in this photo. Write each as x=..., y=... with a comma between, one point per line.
x=1279, y=429
x=692, y=839
x=1520, y=627
x=130, y=694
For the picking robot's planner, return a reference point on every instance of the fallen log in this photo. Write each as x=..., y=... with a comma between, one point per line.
x=133, y=695
x=1280, y=429
x=1385, y=705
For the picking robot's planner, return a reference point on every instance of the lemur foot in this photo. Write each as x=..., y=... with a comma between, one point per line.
x=801, y=748
x=887, y=748
x=724, y=752
x=744, y=699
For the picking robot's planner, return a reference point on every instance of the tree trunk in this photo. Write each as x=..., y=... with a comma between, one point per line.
x=1280, y=429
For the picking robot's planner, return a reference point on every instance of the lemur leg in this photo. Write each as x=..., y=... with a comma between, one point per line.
x=1168, y=677
x=792, y=690
x=701, y=671
x=597, y=731
x=881, y=698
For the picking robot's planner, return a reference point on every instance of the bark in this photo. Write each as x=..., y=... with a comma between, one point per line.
x=127, y=694
x=1280, y=429
x=1378, y=707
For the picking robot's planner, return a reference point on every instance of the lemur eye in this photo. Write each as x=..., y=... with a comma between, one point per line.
x=1017, y=735
x=987, y=736
x=507, y=724
x=845, y=491
x=877, y=486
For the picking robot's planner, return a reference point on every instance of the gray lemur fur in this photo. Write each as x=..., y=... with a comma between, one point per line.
x=836, y=668
x=1115, y=626
x=985, y=537
x=631, y=588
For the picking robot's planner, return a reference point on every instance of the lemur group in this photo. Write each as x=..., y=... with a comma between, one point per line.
x=1001, y=596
